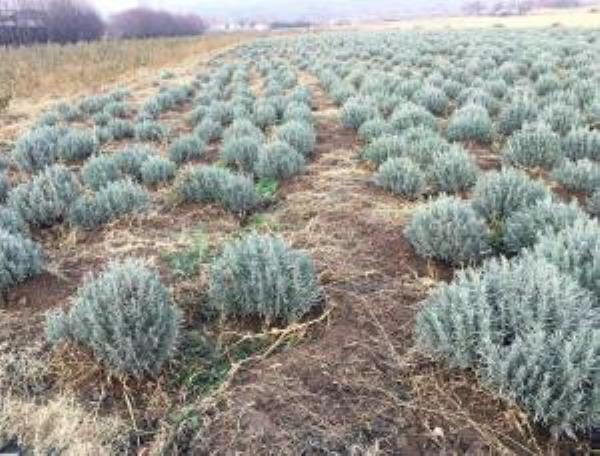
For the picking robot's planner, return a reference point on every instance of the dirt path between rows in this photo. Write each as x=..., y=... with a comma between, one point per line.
x=343, y=389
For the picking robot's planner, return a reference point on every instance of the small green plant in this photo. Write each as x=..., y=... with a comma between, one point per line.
x=449, y=230
x=221, y=112
x=198, y=114
x=45, y=200
x=20, y=259
x=125, y=316
x=185, y=263
x=48, y=119
x=552, y=376
x=69, y=113
x=103, y=135
x=267, y=187
x=498, y=194
x=278, y=161
x=260, y=276
x=113, y=201
x=470, y=123
x=534, y=146
x=101, y=119
x=186, y=148
x=301, y=94
x=546, y=84
x=402, y=177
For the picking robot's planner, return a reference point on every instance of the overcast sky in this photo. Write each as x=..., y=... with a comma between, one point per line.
x=279, y=9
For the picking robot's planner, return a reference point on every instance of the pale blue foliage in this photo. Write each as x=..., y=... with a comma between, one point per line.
x=210, y=184
x=534, y=146
x=260, y=276
x=125, y=315
x=498, y=194
x=46, y=199
x=401, y=176
x=449, y=230
x=20, y=259
x=278, y=160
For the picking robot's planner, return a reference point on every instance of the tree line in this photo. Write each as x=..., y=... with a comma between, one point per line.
x=69, y=21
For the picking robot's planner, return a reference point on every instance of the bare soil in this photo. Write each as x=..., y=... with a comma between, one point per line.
x=357, y=386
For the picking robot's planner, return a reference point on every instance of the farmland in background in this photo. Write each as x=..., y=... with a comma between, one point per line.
x=376, y=240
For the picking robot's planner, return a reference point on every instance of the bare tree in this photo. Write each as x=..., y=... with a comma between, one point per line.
x=474, y=8
x=63, y=21
x=147, y=23
x=72, y=21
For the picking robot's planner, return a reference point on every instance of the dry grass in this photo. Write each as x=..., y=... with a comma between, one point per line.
x=60, y=425
x=47, y=70
x=575, y=17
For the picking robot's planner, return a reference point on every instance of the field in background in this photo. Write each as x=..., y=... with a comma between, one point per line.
x=42, y=71
x=572, y=17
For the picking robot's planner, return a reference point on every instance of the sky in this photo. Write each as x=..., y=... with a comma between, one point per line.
x=279, y=9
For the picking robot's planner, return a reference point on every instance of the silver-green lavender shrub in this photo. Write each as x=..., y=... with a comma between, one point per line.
x=210, y=184
x=46, y=199
x=125, y=316
x=498, y=194
x=453, y=171
x=20, y=259
x=278, y=160
x=534, y=146
x=524, y=227
x=449, y=230
x=111, y=202
x=300, y=135
x=260, y=276
x=400, y=175
x=37, y=149
x=580, y=176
